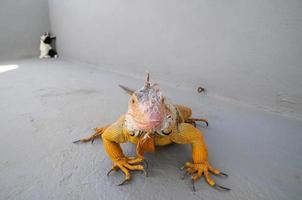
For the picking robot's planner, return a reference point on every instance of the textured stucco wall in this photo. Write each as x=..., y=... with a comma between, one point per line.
x=241, y=50
x=21, y=24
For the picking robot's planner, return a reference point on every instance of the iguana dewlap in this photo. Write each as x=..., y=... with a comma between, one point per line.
x=151, y=121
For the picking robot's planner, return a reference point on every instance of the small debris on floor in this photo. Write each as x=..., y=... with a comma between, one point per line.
x=201, y=89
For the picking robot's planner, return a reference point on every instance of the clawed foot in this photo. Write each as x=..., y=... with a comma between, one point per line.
x=129, y=164
x=199, y=169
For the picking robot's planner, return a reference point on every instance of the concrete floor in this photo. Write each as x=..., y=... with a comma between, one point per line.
x=46, y=104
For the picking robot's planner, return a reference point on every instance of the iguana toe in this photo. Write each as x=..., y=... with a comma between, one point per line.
x=126, y=165
x=197, y=170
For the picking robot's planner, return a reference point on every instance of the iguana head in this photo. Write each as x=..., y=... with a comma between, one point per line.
x=146, y=108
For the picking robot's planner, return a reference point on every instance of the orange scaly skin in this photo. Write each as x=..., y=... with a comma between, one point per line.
x=181, y=131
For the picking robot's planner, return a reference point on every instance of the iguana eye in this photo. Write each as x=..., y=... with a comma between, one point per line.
x=132, y=101
x=163, y=100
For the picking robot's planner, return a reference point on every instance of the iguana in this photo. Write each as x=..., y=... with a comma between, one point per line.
x=151, y=121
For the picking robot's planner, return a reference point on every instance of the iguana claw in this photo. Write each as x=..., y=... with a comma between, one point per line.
x=80, y=141
x=111, y=170
x=76, y=141
x=193, y=185
x=216, y=186
x=146, y=164
x=145, y=172
x=207, y=123
x=223, y=174
x=184, y=175
x=124, y=181
x=219, y=187
x=108, y=173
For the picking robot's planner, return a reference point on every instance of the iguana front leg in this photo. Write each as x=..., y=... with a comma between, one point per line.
x=187, y=134
x=98, y=133
x=112, y=136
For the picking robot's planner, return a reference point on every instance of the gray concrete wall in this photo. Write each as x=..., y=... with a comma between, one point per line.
x=240, y=50
x=21, y=24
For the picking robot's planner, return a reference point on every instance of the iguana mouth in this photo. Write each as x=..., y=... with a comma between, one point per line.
x=146, y=125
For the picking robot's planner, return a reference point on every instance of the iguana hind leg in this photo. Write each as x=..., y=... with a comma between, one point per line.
x=186, y=114
x=185, y=111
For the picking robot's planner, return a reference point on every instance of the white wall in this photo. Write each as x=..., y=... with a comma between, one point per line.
x=21, y=24
x=242, y=50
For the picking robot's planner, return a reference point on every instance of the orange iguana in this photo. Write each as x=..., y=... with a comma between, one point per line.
x=151, y=121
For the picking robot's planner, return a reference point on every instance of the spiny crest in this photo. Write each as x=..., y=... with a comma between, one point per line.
x=147, y=82
x=148, y=89
x=149, y=92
